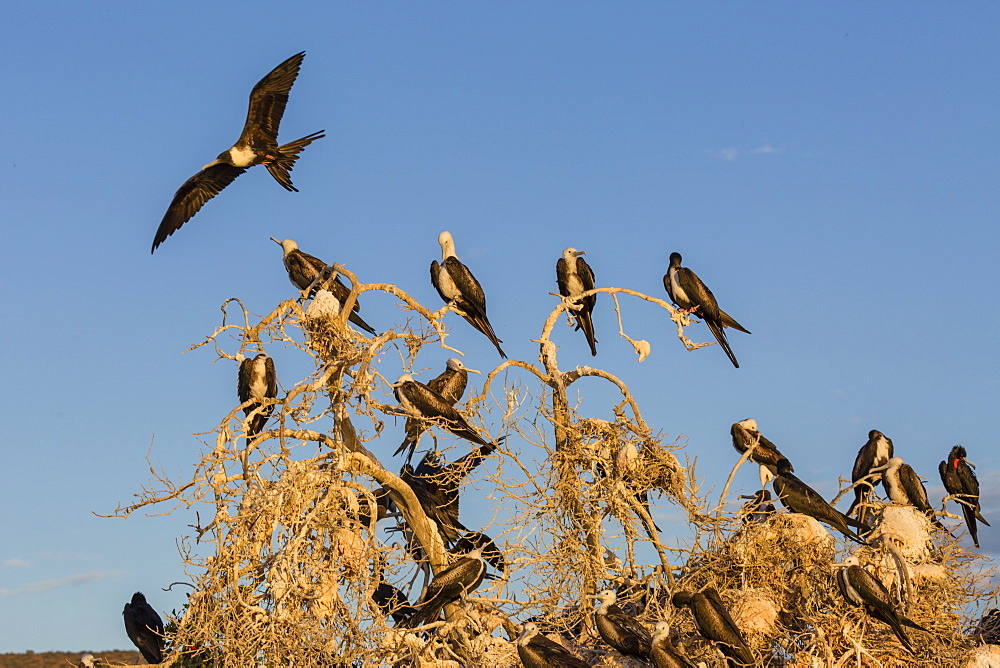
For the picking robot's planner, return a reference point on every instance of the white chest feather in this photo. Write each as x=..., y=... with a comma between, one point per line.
x=680, y=297
x=242, y=157
x=258, y=383
x=574, y=284
x=896, y=492
x=448, y=287
x=882, y=453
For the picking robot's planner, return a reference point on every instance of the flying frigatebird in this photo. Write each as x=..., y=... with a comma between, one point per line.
x=876, y=452
x=450, y=384
x=801, y=498
x=458, y=287
x=663, y=653
x=623, y=632
x=713, y=622
x=575, y=277
x=257, y=145
x=765, y=453
x=961, y=483
x=537, y=651
x=453, y=582
x=310, y=273
x=861, y=588
x=144, y=628
x=691, y=294
x=904, y=487
x=258, y=382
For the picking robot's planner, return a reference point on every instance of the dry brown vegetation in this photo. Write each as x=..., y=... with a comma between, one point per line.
x=65, y=659
x=286, y=552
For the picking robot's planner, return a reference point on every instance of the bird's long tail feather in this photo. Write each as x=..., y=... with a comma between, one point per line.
x=287, y=155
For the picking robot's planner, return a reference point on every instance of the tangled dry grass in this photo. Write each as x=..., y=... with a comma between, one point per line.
x=288, y=550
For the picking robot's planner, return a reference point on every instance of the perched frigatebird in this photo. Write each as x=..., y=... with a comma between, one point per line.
x=758, y=509
x=904, y=487
x=623, y=632
x=436, y=486
x=961, y=483
x=713, y=622
x=663, y=653
x=392, y=602
x=875, y=453
x=478, y=540
x=801, y=498
x=310, y=273
x=861, y=588
x=537, y=651
x=765, y=453
x=257, y=145
x=419, y=401
x=575, y=277
x=450, y=384
x=988, y=628
x=454, y=582
x=690, y=294
x=458, y=287
x=257, y=382
x=144, y=628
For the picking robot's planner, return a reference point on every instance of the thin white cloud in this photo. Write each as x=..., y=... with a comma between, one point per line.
x=729, y=154
x=59, y=583
x=767, y=149
x=15, y=563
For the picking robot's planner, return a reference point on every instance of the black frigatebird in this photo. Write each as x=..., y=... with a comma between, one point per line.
x=713, y=622
x=456, y=581
x=758, y=509
x=307, y=272
x=574, y=277
x=623, y=632
x=450, y=384
x=258, y=382
x=961, y=483
x=904, y=487
x=988, y=628
x=861, y=588
x=766, y=453
x=144, y=628
x=664, y=653
x=801, y=498
x=876, y=452
x=436, y=486
x=392, y=602
x=537, y=651
x=419, y=401
x=689, y=293
x=257, y=145
x=458, y=287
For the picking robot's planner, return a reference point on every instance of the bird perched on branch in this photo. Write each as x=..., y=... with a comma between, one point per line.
x=873, y=454
x=745, y=434
x=436, y=486
x=961, y=483
x=758, y=509
x=664, y=653
x=458, y=287
x=801, y=498
x=904, y=487
x=450, y=384
x=575, y=277
x=420, y=401
x=257, y=145
x=454, y=582
x=537, y=651
x=691, y=294
x=257, y=381
x=713, y=621
x=310, y=273
x=861, y=588
x=144, y=628
x=623, y=632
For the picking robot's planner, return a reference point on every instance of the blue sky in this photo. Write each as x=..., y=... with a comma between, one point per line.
x=828, y=170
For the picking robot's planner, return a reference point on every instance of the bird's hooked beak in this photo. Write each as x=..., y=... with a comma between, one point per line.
x=579, y=253
x=473, y=370
x=967, y=462
x=275, y=241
